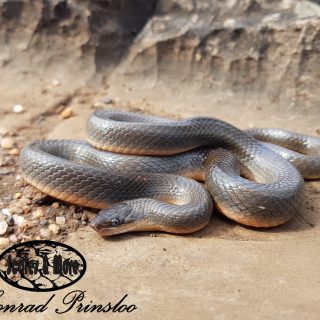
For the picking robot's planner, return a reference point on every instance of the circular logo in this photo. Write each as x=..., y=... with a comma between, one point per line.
x=41, y=265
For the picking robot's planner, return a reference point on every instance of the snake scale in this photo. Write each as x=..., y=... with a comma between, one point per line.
x=141, y=171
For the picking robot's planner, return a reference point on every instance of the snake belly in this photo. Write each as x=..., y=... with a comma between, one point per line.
x=141, y=167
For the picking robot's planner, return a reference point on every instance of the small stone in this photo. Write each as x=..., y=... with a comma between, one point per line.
x=6, y=212
x=60, y=220
x=3, y=131
x=18, y=195
x=14, y=152
x=43, y=222
x=56, y=82
x=67, y=113
x=38, y=238
x=54, y=228
x=18, y=177
x=55, y=205
x=18, y=108
x=37, y=214
x=16, y=208
x=198, y=56
x=4, y=242
x=99, y=104
x=7, y=143
x=45, y=233
x=18, y=220
x=3, y=227
x=10, y=221
x=13, y=238
x=229, y=23
x=26, y=209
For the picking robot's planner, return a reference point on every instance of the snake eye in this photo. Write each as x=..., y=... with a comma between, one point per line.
x=115, y=222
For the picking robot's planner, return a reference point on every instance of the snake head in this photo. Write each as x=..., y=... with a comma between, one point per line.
x=113, y=220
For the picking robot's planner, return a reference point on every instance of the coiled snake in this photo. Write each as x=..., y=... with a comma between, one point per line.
x=142, y=180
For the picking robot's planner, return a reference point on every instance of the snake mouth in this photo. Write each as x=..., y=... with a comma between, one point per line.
x=107, y=230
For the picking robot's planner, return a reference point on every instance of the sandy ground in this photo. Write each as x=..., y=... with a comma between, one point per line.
x=224, y=271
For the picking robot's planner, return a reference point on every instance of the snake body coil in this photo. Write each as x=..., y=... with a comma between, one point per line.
x=138, y=183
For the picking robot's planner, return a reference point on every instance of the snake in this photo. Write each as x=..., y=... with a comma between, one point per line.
x=149, y=173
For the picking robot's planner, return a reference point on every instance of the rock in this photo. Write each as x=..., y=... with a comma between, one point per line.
x=7, y=143
x=306, y=9
x=14, y=152
x=4, y=242
x=26, y=209
x=18, y=195
x=3, y=131
x=45, y=233
x=54, y=228
x=18, y=108
x=3, y=227
x=13, y=238
x=37, y=214
x=56, y=83
x=6, y=212
x=67, y=113
x=55, y=205
x=18, y=220
x=60, y=220
x=43, y=222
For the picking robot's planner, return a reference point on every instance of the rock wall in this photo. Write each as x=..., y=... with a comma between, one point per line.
x=265, y=50
x=251, y=49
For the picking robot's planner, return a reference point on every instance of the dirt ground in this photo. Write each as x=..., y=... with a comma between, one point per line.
x=221, y=272
x=251, y=63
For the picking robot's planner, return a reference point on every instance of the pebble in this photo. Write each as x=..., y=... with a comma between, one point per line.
x=67, y=113
x=18, y=195
x=45, y=233
x=13, y=238
x=14, y=152
x=3, y=131
x=54, y=228
x=3, y=227
x=37, y=214
x=7, y=143
x=10, y=221
x=60, y=220
x=26, y=209
x=99, y=104
x=56, y=82
x=18, y=220
x=18, y=108
x=43, y=222
x=55, y=205
x=4, y=242
x=6, y=212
